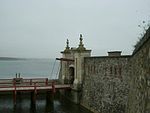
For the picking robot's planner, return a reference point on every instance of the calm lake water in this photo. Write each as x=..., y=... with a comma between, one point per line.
x=29, y=68
x=34, y=68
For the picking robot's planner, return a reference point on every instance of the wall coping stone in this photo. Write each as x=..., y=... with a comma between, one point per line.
x=123, y=56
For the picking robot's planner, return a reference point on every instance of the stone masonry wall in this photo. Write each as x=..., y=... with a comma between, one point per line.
x=119, y=84
x=139, y=94
x=105, y=84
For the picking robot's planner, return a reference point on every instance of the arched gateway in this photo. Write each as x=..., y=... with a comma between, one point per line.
x=72, y=64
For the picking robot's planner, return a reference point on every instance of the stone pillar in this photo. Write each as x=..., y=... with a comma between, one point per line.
x=79, y=56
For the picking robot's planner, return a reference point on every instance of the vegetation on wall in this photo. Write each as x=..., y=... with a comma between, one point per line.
x=144, y=27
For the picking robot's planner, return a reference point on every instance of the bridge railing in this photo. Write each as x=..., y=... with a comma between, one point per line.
x=24, y=81
x=14, y=88
x=6, y=81
x=31, y=81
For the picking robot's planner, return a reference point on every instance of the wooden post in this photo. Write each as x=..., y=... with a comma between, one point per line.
x=48, y=96
x=35, y=90
x=14, y=92
x=53, y=87
x=49, y=101
x=46, y=82
x=33, y=98
x=30, y=81
x=33, y=95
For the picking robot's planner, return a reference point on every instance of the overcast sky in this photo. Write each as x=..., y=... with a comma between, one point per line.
x=39, y=28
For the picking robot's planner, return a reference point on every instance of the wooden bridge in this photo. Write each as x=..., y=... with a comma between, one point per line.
x=33, y=85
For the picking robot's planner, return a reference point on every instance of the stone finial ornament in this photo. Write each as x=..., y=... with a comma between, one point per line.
x=81, y=45
x=67, y=46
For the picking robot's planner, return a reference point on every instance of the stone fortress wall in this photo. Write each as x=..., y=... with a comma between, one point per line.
x=139, y=94
x=117, y=83
x=105, y=84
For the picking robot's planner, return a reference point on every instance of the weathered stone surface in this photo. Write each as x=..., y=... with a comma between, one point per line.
x=105, y=87
x=111, y=84
x=139, y=95
x=119, y=84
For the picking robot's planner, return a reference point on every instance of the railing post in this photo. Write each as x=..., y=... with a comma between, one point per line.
x=14, y=92
x=30, y=81
x=46, y=82
x=35, y=90
x=33, y=94
x=53, y=87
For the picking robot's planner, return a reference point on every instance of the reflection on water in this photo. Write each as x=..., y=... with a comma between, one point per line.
x=44, y=104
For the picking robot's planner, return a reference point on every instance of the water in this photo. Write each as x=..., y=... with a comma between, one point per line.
x=34, y=68
x=29, y=68
x=43, y=105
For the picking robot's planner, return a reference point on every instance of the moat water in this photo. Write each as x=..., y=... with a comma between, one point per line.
x=34, y=68
x=56, y=104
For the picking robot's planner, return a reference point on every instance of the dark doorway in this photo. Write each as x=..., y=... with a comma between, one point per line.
x=71, y=73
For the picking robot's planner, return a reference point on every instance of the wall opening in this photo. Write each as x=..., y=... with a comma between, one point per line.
x=71, y=74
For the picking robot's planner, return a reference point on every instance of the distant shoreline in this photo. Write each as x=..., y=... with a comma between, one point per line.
x=11, y=58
